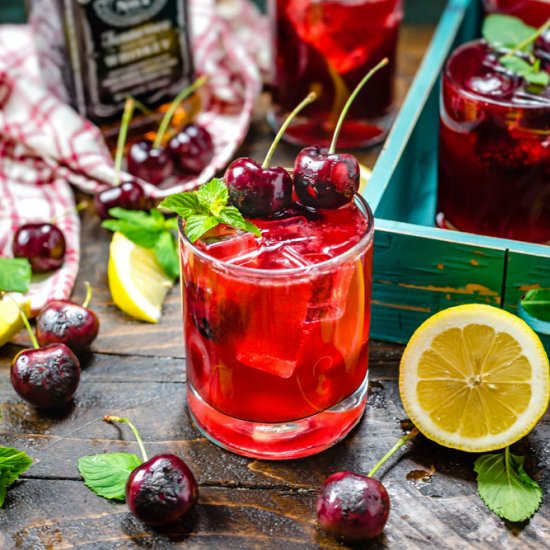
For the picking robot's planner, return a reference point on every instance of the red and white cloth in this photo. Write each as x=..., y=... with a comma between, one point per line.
x=45, y=145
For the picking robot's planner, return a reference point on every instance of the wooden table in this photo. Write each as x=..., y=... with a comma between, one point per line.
x=138, y=370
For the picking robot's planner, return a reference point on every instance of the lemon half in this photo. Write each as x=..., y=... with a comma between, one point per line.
x=10, y=318
x=474, y=378
x=138, y=284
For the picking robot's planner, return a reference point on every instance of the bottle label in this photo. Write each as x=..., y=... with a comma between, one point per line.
x=122, y=48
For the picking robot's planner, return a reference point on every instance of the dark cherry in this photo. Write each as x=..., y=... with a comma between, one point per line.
x=353, y=507
x=161, y=490
x=63, y=321
x=42, y=243
x=46, y=377
x=256, y=191
x=129, y=195
x=151, y=164
x=324, y=180
x=192, y=149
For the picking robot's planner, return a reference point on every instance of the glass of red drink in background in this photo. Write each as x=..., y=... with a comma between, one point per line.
x=533, y=12
x=494, y=147
x=276, y=331
x=328, y=46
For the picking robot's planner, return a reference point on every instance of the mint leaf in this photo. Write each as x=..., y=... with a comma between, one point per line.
x=15, y=274
x=527, y=71
x=536, y=303
x=166, y=253
x=13, y=463
x=107, y=474
x=231, y=216
x=196, y=226
x=505, y=31
x=149, y=230
x=206, y=208
x=213, y=195
x=184, y=204
x=505, y=487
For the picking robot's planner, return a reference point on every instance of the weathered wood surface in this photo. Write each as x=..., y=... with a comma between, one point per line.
x=138, y=370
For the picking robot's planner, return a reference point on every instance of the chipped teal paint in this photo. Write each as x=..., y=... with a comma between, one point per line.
x=418, y=268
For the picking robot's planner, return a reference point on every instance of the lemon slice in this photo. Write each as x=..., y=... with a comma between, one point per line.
x=10, y=319
x=475, y=378
x=137, y=283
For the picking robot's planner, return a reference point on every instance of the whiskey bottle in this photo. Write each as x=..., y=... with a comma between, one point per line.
x=93, y=54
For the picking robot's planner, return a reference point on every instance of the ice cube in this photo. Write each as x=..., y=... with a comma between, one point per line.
x=330, y=295
x=232, y=247
x=275, y=327
x=495, y=85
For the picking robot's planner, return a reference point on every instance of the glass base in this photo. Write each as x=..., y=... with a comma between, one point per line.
x=281, y=441
x=355, y=134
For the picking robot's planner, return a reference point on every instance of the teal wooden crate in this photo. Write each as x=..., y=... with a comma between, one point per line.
x=420, y=269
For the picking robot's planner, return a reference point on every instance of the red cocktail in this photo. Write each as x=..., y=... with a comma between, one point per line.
x=276, y=331
x=494, y=147
x=533, y=12
x=327, y=47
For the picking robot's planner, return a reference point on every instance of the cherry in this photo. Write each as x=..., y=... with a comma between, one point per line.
x=192, y=149
x=42, y=243
x=149, y=163
x=262, y=191
x=45, y=377
x=161, y=490
x=63, y=321
x=324, y=179
x=353, y=506
x=129, y=195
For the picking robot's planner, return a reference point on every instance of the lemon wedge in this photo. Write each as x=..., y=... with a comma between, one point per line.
x=137, y=282
x=10, y=319
x=475, y=378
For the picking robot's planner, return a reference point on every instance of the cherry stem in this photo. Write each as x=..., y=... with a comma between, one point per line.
x=25, y=322
x=79, y=207
x=353, y=95
x=528, y=40
x=164, y=123
x=122, y=135
x=88, y=297
x=312, y=96
x=141, y=107
x=389, y=454
x=124, y=420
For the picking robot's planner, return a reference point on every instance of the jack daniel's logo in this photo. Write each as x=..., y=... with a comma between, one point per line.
x=125, y=13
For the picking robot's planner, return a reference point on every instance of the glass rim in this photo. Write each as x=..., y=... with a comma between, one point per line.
x=363, y=243
x=461, y=90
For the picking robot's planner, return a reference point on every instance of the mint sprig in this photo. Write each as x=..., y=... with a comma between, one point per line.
x=508, y=32
x=505, y=487
x=149, y=230
x=106, y=474
x=13, y=463
x=536, y=303
x=206, y=208
x=15, y=274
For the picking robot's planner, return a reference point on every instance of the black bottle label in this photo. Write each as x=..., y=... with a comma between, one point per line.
x=119, y=48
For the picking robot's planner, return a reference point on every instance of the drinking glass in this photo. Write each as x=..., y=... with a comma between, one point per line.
x=494, y=149
x=277, y=356
x=533, y=12
x=328, y=46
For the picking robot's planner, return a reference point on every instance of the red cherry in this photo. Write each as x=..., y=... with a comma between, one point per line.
x=151, y=164
x=256, y=191
x=161, y=490
x=325, y=180
x=129, y=195
x=42, y=243
x=46, y=377
x=62, y=321
x=192, y=149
